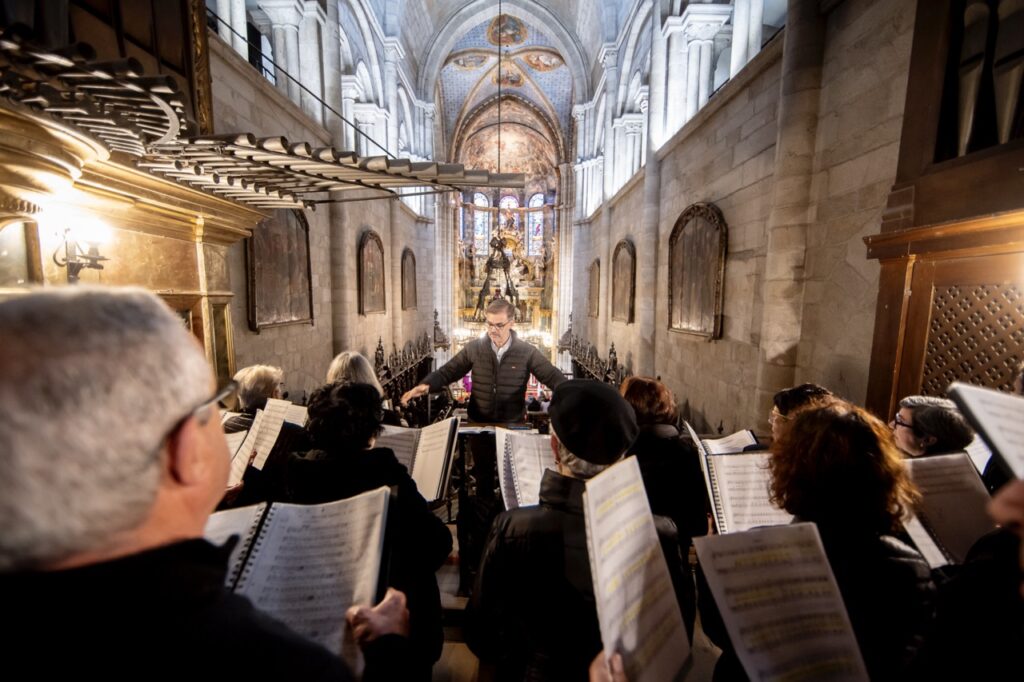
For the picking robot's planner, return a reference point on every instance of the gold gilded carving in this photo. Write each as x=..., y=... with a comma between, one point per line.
x=201, y=67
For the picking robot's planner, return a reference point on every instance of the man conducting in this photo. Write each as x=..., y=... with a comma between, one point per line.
x=112, y=458
x=501, y=365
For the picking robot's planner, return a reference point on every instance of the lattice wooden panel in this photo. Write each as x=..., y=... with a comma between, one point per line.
x=976, y=335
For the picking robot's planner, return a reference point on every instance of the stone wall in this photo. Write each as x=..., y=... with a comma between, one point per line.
x=726, y=155
x=246, y=102
x=864, y=83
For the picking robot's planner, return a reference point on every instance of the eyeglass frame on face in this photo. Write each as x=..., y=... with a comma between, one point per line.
x=896, y=421
x=197, y=412
x=775, y=415
x=498, y=327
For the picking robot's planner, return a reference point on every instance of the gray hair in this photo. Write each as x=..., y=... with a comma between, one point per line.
x=353, y=367
x=92, y=380
x=580, y=468
x=940, y=419
x=257, y=383
x=912, y=402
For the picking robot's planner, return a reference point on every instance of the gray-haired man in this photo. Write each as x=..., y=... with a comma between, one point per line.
x=111, y=459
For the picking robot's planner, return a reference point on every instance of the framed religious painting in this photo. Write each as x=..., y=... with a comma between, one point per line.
x=372, y=298
x=408, y=279
x=594, y=289
x=279, y=271
x=623, y=281
x=696, y=271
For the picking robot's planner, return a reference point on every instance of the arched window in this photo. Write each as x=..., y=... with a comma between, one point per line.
x=535, y=225
x=481, y=223
x=510, y=202
x=696, y=271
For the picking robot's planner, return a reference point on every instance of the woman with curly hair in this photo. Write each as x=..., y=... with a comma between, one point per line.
x=837, y=466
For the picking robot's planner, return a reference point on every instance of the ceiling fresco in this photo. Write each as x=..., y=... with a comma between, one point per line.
x=530, y=67
x=526, y=145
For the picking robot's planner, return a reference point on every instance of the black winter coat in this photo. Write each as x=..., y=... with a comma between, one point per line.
x=499, y=389
x=163, y=614
x=532, y=612
x=421, y=543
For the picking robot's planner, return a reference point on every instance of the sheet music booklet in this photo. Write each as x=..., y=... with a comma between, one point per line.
x=952, y=514
x=306, y=564
x=261, y=438
x=637, y=606
x=522, y=460
x=781, y=605
x=998, y=417
x=426, y=453
x=737, y=482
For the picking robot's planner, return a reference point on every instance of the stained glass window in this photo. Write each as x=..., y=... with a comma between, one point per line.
x=481, y=224
x=535, y=226
x=511, y=202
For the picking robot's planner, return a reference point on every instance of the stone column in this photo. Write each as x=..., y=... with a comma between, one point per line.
x=619, y=156
x=332, y=76
x=393, y=54
x=285, y=17
x=609, y=59
x=645, y=130
x=311, y=59
x=740, y=28
x=790, y=216
x=224, y=20
x=648, y=260
x=659, y=66
x=429, y=111
x=562, y=260
x=240, y=32
x=579, y=117
x=677, y=75
x=351, y=92
x=756, y=26
x=634, y=129
x=700, y=24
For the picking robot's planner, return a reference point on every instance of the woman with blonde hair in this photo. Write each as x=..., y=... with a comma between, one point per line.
x=352, y=367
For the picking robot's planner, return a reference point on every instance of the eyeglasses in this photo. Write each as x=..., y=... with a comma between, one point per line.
x=896, y=421
x=498, y=327
x=775, y=416
x=202, y=412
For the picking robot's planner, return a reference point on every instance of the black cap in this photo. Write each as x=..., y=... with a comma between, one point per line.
x=593, y=421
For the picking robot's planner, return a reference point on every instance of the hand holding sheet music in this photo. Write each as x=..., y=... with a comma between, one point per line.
x=636, y=603
x=305, y=565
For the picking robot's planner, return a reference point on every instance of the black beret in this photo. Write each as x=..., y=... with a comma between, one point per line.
x=593, y=421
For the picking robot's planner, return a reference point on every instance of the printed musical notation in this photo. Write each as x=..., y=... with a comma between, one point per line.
x=780, y=604
x=636, y=603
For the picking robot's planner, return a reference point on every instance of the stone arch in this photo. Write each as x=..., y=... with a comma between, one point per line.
x=363, y=74
x=640, y=24
x=479, y=11
x=376, y=83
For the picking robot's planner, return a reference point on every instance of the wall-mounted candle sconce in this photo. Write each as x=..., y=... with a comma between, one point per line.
x=83, y=236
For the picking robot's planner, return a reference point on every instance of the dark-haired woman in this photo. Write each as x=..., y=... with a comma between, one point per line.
x=670, y=468
x=344, y=422
x=837, y=466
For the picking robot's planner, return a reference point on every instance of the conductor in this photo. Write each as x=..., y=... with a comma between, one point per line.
x=501, y=365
